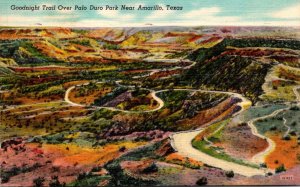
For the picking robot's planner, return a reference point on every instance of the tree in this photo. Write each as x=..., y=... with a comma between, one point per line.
x=229, y=174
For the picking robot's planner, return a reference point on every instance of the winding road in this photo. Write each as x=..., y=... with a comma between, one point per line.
x=182, y=143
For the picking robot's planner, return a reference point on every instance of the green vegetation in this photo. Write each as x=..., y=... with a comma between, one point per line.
x=242, y=74
x=277, y=123
x=229, y=174
x=87, y=179
x=111, y=46
x=280, y=169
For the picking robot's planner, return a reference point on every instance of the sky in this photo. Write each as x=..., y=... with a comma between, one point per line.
x=193, y=13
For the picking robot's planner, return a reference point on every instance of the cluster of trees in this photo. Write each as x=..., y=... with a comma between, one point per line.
x=111, y=46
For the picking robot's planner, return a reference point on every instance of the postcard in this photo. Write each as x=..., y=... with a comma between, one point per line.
x=149, y=92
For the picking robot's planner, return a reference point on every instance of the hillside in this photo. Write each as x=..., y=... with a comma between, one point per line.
x=222, y=68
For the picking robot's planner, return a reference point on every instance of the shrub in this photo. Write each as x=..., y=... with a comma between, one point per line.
x=55, y=182
x=202, y=181
x=229, y=174
x=269, y=174
x=279, y=169
x=122, y=148
x=38, y=182
x=293, y=133
x=263, y=165
x=151, y=168
x=287, y=137
x=4, y=178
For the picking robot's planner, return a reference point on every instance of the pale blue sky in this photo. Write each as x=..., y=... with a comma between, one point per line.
x=194, y=13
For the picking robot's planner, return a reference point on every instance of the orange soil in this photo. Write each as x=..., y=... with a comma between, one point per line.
x=286, y=152
x=73, y=154
x=136, y=167
x=179, y=159
x=49, y=50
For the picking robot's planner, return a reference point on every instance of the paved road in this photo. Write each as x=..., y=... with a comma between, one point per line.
x=183, y=144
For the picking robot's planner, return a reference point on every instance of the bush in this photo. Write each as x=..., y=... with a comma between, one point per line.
x=4, y=179
x=279, y=169
x=263, y=165
x=151, y=168
x=38, y=182
x=111, y=46
x=287, y=137
x=293, y=133
x=202, y=181
x=122, y=149
x=229, y=174
x=269, y=174
x=55, y=182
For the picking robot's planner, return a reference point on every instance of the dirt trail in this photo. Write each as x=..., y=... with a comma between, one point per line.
x=260, y=157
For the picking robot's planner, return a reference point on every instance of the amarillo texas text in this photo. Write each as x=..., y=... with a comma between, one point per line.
x=92, y=7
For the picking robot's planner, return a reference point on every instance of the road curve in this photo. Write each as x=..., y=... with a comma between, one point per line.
x=183, y=144
x=153, y=94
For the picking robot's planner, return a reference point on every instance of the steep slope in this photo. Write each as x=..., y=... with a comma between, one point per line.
x=220, y=71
